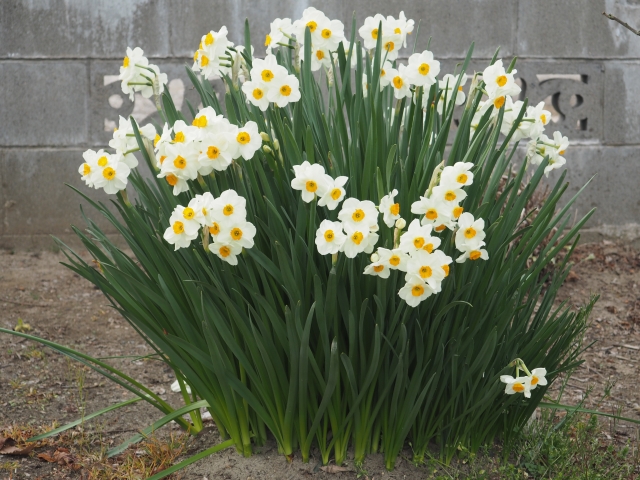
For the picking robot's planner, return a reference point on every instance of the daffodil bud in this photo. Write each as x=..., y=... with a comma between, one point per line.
x=276, y=144
x=401, y=223
x=266, y=149
x=375, y=257
x=265, y=136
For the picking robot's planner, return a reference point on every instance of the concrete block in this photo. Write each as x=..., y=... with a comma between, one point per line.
x=37, y=201
x=616, y=170
x=621, y=107
x=107, y=102
x=84, y=28
x=43, y=103
x=575, y=28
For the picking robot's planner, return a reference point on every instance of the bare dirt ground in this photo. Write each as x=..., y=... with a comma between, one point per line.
x=38, y=386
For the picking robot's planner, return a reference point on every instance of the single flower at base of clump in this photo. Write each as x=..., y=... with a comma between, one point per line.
x=517, y=385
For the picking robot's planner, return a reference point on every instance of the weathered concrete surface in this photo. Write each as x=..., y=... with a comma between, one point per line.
x=58, y=59
x=621, y=104
x=576, y=28
x=83, y=28
x=43, y=103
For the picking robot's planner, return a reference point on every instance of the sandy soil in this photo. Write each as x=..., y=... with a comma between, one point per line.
x=38, y=386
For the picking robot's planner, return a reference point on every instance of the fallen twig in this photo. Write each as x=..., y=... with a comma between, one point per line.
x=632, y=347
x=624, y=24
x=2, y=299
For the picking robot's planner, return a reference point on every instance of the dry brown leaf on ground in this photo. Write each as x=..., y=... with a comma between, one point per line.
x=8, y=447
x=62, y=456
x=334, y=469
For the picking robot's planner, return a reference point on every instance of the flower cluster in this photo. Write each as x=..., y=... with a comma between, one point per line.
x=525, y=384
x=104, y=170
x=271, y=82
x=212, y=57
x=211, y=143
x=414, y=252
x=500, y=87
x=138, y=75
x=223, y=219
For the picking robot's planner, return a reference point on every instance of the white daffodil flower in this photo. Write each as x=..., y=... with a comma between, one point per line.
x=415, y=290
x=389, y=209
x=239, y=233
x=401, y=26
x=358, y=240
x=457, y=175
x=362, y=215
x=449, y=194
x=434, y=211
x=394, y=259
x=331, y=34
x=475, y=253
x=329, y=237
x=180, y=160
x=400, y=82
x=470, y=234
x=378, y=269
x=517, y=385
x=160, y=143
x=310, y=180
x=335, y=192
x=284, y=90
x=418, y=237
x=279, y=32
x=560, y=143
x=229, y=208
x=315, y=20
x=369, y=31
x=179, y=185
x=541, y=119
x=320, y=57
x=538, y=377
x=428, y=267
x=208, y=121
x=446, y=86
x=422, y=69
x=183, y=228
x=217, y=152
x=267, y=70
x=113, y=177
x=256, y=93
x=499, y=83
x=226, y=252
x=248, y=140
x=204, y=207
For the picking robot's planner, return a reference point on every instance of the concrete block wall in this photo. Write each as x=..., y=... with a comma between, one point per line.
x=59, y=96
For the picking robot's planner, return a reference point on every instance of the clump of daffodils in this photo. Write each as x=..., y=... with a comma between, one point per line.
x=523, y=384
x=186, y=153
